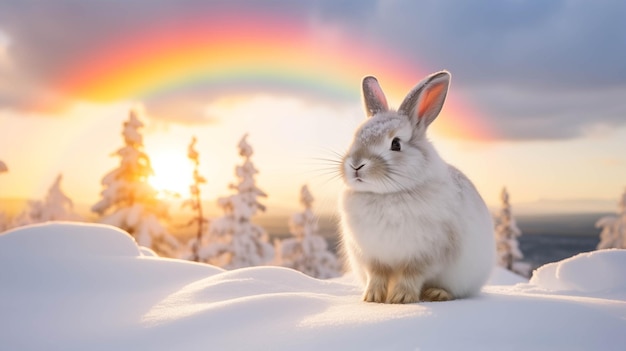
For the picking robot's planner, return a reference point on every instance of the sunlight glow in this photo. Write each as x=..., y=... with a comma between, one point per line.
x=172, y=173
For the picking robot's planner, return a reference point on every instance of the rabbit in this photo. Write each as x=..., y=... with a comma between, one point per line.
x=413, y=227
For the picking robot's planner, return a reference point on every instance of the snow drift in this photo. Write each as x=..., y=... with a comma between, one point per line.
x=599, y=272
x=66, y=286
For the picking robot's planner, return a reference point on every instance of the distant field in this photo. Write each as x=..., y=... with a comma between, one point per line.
x=569, y=224
x=539, y=249
x=551, y=238
x=561, y=224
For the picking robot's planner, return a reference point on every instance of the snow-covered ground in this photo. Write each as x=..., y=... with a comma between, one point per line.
x=89, y=287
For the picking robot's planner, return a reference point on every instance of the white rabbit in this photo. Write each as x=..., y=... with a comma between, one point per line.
x=414, y=228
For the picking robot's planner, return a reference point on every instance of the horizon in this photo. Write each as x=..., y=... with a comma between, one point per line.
x=538, y=208
x=528, y=107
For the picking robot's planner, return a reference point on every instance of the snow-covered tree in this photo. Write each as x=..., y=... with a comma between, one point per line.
x=4, y=219
x=506, y=234
x=195, y=203
x=128, y=201
x=56, y=206
x=307, y=251
x=234, y=241
x=613, y=233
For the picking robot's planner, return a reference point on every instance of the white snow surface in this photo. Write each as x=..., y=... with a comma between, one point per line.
x=68, y=286
x=598, y=272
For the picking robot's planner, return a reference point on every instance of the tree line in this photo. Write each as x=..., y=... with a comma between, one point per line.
x=128, y=201
x=233, y=240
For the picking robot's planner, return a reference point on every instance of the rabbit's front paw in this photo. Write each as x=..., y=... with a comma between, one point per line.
x=404, y=293
x=376, y=291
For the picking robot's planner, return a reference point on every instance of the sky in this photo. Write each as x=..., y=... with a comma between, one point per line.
x=536, y=102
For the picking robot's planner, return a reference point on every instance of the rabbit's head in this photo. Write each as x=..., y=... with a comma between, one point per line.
x=390, y=152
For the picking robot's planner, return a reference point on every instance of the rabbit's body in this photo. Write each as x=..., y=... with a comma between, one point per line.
x=414, y=227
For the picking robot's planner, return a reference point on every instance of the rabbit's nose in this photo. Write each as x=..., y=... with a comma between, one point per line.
x=357, y=168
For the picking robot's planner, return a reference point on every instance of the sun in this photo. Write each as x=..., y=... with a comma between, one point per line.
x=172, y=173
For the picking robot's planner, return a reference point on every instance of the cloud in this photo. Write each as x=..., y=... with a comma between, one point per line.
x=183, y=107
x=538, y=70
x=47, y=37
x=521, y=113
x=17, y=91
x=557, y=42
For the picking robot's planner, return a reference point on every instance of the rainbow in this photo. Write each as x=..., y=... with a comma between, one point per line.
x=257, y=53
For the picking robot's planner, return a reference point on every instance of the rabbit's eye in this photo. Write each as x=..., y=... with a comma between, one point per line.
x=395, y=144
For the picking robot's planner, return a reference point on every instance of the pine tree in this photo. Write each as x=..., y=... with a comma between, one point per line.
x=613, y=233
x=235, y=241
x=195, y=202
x=128, y=201
x=506, y=235
x=307, y=251
x=56, y=206
x=4, y=219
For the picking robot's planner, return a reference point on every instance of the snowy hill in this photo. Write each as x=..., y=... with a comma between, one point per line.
x=89, y=287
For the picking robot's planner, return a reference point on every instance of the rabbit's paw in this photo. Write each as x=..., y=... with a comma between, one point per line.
x=436, y=294
x=404, y=293
x=376, y=291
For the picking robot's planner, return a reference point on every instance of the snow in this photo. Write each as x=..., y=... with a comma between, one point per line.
x=67, y=239
x=580, y=274
x=69, y=286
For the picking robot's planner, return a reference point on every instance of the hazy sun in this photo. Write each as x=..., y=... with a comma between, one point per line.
x=172, y=173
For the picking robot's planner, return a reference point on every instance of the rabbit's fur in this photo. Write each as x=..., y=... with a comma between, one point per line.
x=414, y=228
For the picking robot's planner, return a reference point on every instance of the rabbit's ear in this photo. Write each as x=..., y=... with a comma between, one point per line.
x=374, y=97
x=425, y=101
